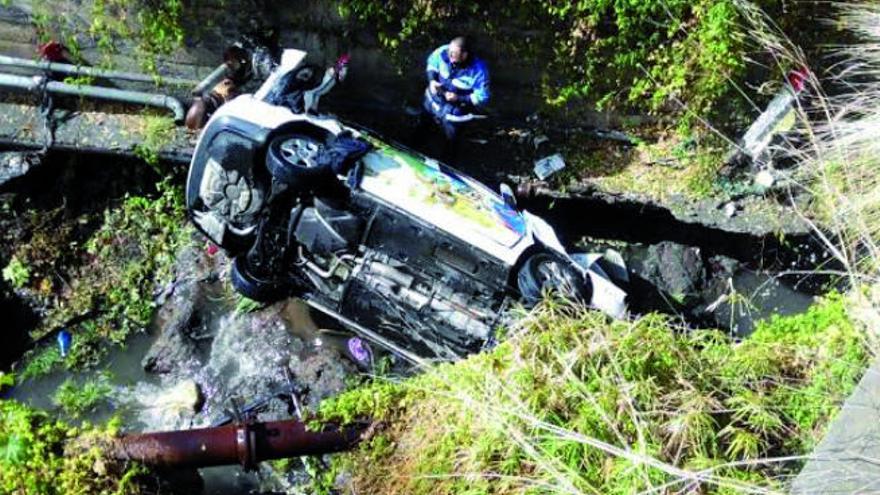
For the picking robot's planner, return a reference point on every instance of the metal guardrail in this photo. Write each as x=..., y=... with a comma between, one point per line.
x=40, y=83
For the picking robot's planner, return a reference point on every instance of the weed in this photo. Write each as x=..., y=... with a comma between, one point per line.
x=16, y=273
x=76, y=399
x=153, y=26
x=6, y=380
x=41, y=362
x=158, y=133
x=246, y=305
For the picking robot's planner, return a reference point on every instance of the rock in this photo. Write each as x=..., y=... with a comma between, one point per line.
x=164, y=407
x=323, y=370
x=537, y=141
x=185, y=397
x=174, y=347
x=16, y=164
x=675, y=269
x=179, y=313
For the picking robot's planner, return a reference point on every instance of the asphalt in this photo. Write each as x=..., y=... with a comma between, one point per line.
x=847, y=460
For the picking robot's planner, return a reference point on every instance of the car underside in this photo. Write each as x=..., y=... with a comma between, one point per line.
x=401, y=248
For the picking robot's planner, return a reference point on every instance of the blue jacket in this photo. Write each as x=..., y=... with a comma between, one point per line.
x=470, y=81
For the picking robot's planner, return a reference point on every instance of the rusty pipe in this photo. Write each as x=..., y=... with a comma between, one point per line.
x=241, y=443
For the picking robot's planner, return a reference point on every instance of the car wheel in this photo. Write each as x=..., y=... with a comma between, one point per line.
x=548, y=272
x=225, y=194
x=248, y=284
x=297, y=159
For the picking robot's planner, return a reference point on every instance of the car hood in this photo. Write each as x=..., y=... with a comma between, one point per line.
x=443, y=197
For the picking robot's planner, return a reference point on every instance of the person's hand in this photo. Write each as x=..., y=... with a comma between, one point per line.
x=450, y=96
x=434, y=87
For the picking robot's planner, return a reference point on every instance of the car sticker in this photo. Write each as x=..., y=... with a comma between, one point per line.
x=440, y=195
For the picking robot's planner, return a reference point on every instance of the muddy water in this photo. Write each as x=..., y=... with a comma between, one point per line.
x=123, y=363
x=762, y=296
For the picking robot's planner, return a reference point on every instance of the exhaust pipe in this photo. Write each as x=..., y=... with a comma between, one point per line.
x=78, y=70
x=35, y=84
x=242, y=443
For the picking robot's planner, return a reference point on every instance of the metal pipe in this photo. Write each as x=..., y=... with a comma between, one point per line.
x=89, y=71
x=242, y=443
x=54, y=87
x=210, y=80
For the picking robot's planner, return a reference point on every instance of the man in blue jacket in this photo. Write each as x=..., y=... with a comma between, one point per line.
x=458, y=86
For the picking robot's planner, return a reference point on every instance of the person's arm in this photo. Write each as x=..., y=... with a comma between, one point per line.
x=434, y=62
x=480, y=94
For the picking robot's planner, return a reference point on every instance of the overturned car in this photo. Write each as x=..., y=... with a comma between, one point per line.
x=402, y=249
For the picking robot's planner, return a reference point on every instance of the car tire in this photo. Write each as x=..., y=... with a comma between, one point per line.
x=547, y=271
x=295, y=159
x=246, y=283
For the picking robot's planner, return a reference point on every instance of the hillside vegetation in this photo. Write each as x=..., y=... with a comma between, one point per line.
x=574, y=403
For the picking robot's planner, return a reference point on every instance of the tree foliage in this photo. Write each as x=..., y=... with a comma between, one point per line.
x=647, y=55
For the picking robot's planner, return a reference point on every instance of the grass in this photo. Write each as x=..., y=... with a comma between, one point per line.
x=673, y=164
x=572, y=403
x=16, y=273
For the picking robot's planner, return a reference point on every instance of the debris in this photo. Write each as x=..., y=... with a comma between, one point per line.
x=729, y=210
x=613, y=136
x=519, y=135
x=359, y=350
x=64, y=341
x=547, y=166
x=779, y=116
x=765, y=179
x=537, y=141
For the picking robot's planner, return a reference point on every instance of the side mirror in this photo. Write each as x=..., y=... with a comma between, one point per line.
x=507, y=195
